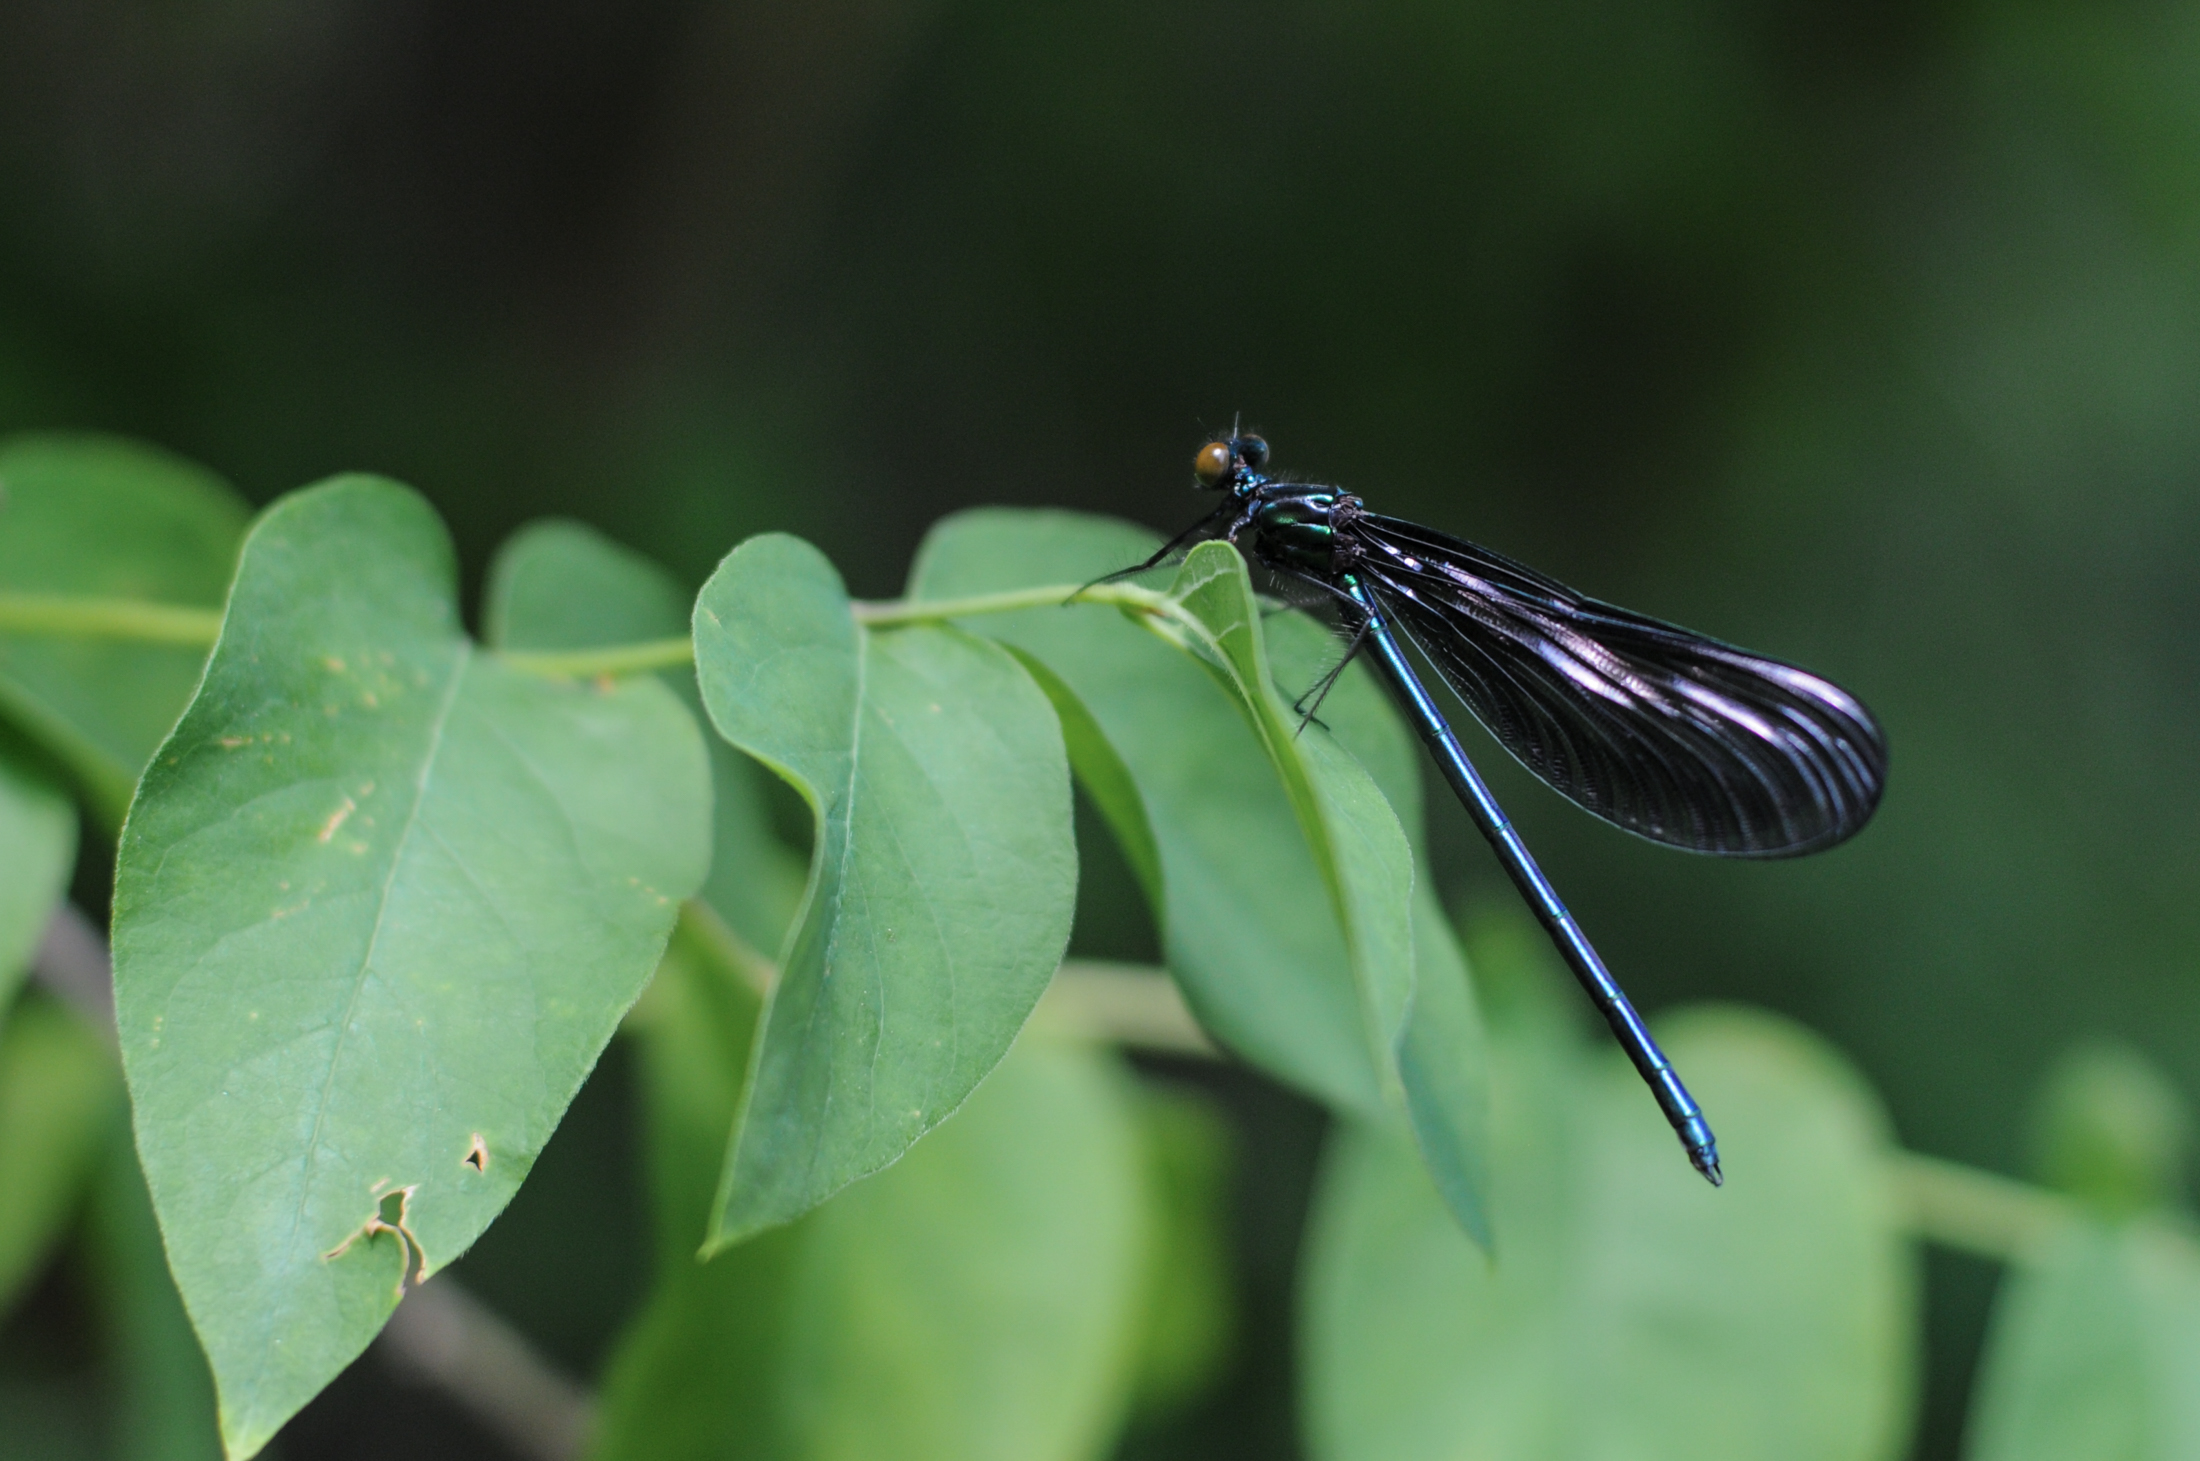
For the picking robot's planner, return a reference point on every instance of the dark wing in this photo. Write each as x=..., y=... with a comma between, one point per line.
x=1681, y=738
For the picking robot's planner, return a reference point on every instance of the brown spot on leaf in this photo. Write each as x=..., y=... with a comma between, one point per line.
x=337, y=819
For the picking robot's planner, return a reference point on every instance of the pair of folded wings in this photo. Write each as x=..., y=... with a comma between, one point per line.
x=1669, y=734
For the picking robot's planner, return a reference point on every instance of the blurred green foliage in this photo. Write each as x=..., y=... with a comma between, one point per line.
x=1629, y=1310
x=2112, y=1132
x=59, y=1101
x=1868, y=335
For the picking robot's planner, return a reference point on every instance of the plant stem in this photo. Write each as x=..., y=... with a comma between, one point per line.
x=446, y=1336
x=919, y=611
x=1976, y=1211
x=1123, y=1004
x=665, y=654
x=81, y=617
x=84, y=617
x=753, y=969
x=612, y=659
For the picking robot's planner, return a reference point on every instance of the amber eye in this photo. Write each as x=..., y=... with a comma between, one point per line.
x=1213, y=464
x=1254, y=451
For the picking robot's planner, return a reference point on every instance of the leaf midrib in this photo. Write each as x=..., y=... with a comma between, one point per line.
x=840, y=891
x=1310, y=803
x=441, y=722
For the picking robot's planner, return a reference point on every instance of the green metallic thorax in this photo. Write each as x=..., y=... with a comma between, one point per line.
x=1297, y=530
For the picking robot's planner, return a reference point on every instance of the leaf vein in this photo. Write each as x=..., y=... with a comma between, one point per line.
x=440, y=723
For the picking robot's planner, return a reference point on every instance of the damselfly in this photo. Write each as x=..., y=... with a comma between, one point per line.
x=1656, y=729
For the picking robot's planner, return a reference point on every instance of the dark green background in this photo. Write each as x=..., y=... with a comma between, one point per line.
x=1866, y=334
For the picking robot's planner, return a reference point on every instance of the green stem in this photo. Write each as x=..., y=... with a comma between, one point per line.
x=78, y=617
x=83, y=617
x=732, y=950
x=1124, y=1004
x=665, y=654
x=1978, y=1212
x=612, y=659
x=923, y=611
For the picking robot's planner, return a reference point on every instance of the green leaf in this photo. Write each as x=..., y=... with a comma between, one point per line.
x=694, y=1375
x=59, y=1103
x=1367, y=866
x=980, y=1299
x=1186, y=1329
x=1633, y=1310
x=2094, y=1351
x=160, y=1399
x=1444, y=1065
x=696, y=1023
x=380, y=902
x=1245, y=925
x=976, y=1300
x=37, y=852
x=1359, y=849
x=942, y=880
x=2112, y=1131
x=562, y=585
x=1109, y=782
x=1443, y=1058
x=103, y=517
x=1269, y=839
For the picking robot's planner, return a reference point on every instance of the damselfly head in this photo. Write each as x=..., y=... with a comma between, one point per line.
x=1219, y=462
x=1215, y=464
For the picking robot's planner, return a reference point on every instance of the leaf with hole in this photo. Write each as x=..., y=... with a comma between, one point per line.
x=380, y=902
